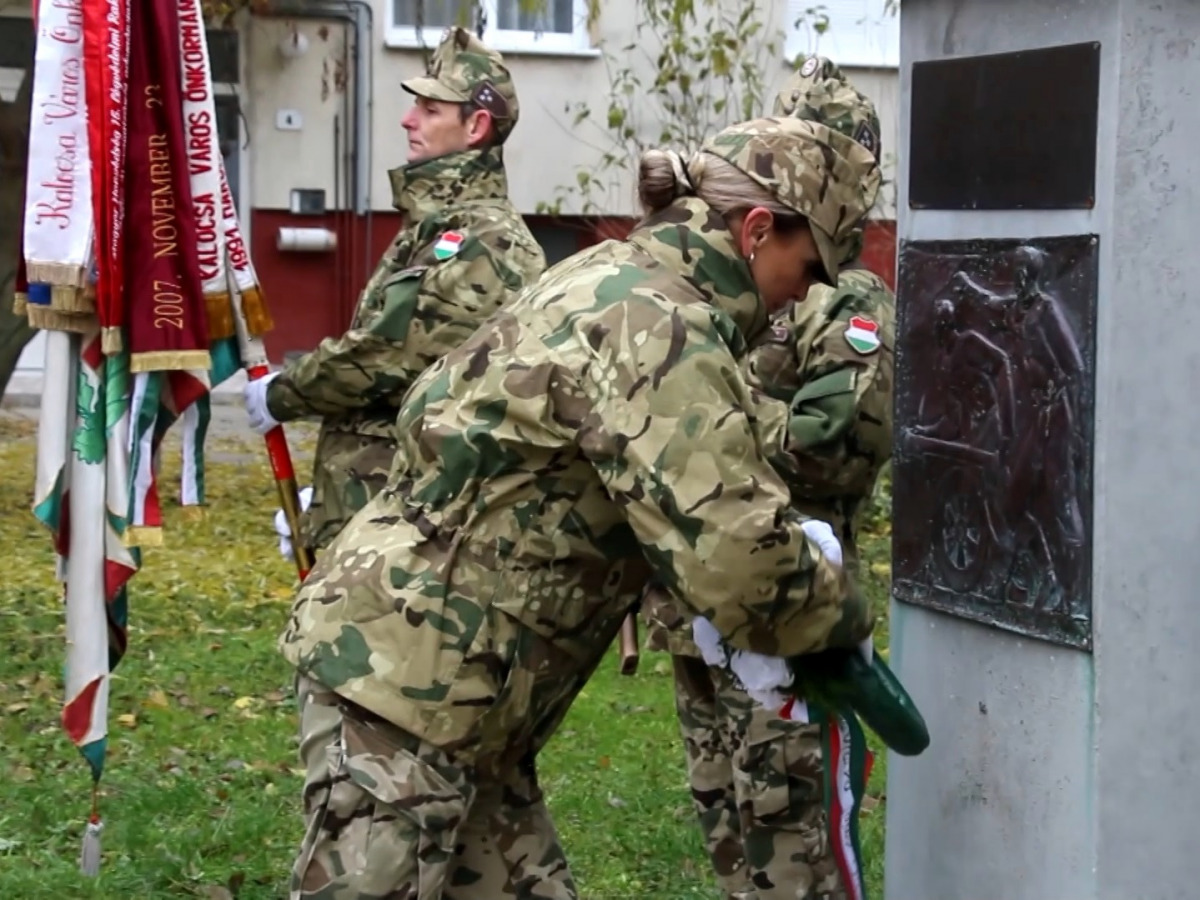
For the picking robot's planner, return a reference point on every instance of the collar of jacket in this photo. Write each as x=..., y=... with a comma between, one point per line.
x=691, y=237
x=425, y=187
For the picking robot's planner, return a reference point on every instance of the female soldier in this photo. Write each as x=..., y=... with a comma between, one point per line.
x=592, y=436
x=757, y=780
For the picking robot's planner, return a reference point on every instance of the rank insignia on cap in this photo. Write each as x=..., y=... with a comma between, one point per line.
x=448, y=244
x=863, y=335
x=810, y=66
x=865, y=136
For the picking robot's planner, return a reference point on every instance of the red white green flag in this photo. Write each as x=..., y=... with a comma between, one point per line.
x=134, y=264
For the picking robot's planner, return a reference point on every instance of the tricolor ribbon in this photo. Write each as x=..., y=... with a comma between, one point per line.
x=847, y=766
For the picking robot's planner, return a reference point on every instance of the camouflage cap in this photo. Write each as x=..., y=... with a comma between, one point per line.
x=829, y=179
x=820, y=92
x=464, y=70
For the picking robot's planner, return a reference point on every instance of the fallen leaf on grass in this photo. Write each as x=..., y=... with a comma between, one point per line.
x=158, y=700
x=16, y=707
x=129, y=720
x=243, y=702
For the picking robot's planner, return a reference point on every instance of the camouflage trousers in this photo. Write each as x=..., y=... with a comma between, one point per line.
x=757, y=787
x=391, y=817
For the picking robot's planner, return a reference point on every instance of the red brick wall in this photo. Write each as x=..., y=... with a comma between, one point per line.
x=311, y=295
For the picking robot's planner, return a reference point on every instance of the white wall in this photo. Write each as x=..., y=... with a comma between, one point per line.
x=544, y=151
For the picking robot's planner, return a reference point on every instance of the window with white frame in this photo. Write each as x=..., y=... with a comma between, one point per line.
x=510, y=26
x=853, y=33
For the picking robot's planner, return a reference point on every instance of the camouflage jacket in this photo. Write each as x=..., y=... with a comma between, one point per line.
x=596, y=433
x=463, y=251
x=831, y=359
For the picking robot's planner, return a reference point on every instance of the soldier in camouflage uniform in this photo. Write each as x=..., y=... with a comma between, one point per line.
x=462, y=252
x=594, y=434
x=757, y=779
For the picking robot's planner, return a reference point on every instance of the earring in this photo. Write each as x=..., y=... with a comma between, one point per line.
x=751, y=260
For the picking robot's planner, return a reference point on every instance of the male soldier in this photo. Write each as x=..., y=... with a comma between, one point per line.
x=757, y=780
x=462, y=252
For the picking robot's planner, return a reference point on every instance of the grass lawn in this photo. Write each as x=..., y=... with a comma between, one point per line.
x=200, y=793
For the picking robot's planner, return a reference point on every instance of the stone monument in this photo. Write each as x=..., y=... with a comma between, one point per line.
x=1046, y=550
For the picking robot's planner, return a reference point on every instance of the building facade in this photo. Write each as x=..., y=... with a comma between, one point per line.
x=310, y=105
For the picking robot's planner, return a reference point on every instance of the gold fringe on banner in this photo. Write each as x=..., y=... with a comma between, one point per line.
x=20, y=301
x=50, y=319
x=170, y=360
x=111, y=340
x=70, y=299
x=55, y=273
x=254, y=311
x=219, y=309
x=192, y=513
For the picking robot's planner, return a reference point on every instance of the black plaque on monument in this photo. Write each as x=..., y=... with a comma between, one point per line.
x=992, y=462
x=1006, y=130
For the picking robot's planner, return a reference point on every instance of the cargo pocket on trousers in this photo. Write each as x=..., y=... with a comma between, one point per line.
x=392, y=816
x=763, y=787
x=781, y=788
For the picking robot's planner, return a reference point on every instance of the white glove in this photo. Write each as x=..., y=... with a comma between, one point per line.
x=284, y=530
x=255, y=394
x=712, y=648
x=821, y=534
x=867, y=649
x=760, y=675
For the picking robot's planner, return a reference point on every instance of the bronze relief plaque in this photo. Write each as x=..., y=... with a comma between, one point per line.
x=992, y=460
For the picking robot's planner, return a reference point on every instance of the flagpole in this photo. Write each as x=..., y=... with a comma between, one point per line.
x=254, y=360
